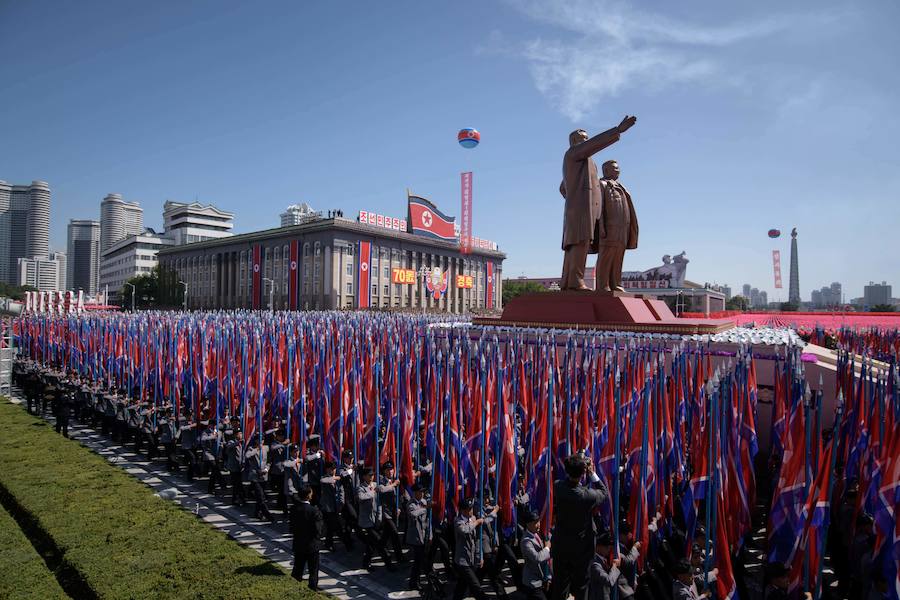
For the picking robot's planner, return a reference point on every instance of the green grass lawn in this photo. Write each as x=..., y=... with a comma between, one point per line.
x=119, y=539
x=23, y=573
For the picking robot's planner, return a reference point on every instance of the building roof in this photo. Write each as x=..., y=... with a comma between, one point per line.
x=337, y=223
x=172, y=206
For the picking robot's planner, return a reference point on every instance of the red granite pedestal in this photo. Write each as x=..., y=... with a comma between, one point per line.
x=616, y=311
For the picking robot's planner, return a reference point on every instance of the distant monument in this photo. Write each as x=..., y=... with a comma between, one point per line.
x=794, y=289
x=594, y=221
x=600, y=218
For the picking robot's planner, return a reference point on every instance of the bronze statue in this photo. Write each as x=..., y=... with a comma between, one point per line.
x=618, y=228
x=581, y=189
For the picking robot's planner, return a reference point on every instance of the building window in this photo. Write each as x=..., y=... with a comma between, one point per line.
x=387, y=289
x=387, y=272
x=318, y=249
x=349, y=268
x=374, y=290
x=349, y=288
x=306, y=249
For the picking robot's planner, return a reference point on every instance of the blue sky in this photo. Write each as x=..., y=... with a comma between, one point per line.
x=750, y=116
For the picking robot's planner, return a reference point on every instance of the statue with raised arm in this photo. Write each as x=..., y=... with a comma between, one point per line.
x=582, y=190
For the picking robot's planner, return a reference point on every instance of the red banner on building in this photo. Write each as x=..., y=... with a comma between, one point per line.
x=293, y=277
x=256, y=277
x=363, y=288
x=489, y=288
x=776, y=264
x=465, y=225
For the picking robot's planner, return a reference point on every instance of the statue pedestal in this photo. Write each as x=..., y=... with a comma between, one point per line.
x=611, y=311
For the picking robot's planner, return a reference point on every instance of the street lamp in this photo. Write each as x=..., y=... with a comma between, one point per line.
x=185, y=294
x=271, y=293
x=133, y=289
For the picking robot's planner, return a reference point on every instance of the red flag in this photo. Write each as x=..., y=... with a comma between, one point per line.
x=293, y=279
x=256, y=282
x=465, y=230
x=426, y=219
x=363, y=287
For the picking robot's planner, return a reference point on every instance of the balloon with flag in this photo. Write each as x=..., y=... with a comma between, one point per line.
x=468, y=137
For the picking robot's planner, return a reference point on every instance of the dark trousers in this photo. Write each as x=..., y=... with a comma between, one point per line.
x=389, y=534
x=535, y=594
x=237, y=489
x=62, y=424
x=215, y=476
x=334, y=525
x=467, y=583
x=276, y=482
x=307, y=561
x=190, y=460
x=171, y=463
x=373, y=543
x=262, y=508
x=491, y=570
x=350, y=516
x=418, y=565
x=570, y=570
x=439, y=546
x=506, y=556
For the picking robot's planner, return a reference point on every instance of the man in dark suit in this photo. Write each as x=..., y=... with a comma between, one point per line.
x=307, y=527
x=581, y=189
x=574, y=528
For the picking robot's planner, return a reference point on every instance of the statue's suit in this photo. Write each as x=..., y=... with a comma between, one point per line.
x=618, y=230
x=581, y=189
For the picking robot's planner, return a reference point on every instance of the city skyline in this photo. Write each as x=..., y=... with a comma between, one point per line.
x=179, y=128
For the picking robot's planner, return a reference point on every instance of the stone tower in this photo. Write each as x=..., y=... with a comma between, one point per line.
x=794, y=289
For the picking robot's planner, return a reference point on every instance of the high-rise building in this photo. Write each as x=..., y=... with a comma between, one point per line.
x=877, y=293
x=295, y=214
x=24, y=225
x=746, y=291
x=61, y=262
x=39, y=272
x=135, y=255
x=794, y=288
x=837, y=293
x=118, y=220
x=827, y=296
x=754, y=297
x=83, y=271
x=194, y=222
x=726, y=289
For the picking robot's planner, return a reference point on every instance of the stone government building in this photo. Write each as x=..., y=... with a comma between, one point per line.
x=316, y=266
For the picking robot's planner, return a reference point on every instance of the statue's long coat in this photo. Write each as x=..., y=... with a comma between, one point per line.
x=581, y=189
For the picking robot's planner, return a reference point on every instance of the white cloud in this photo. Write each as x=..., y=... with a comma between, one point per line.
x=610, y=47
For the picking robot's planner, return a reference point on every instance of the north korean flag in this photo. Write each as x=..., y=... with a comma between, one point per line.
x=426, y=219
x=363, y=275
x=293, y=279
